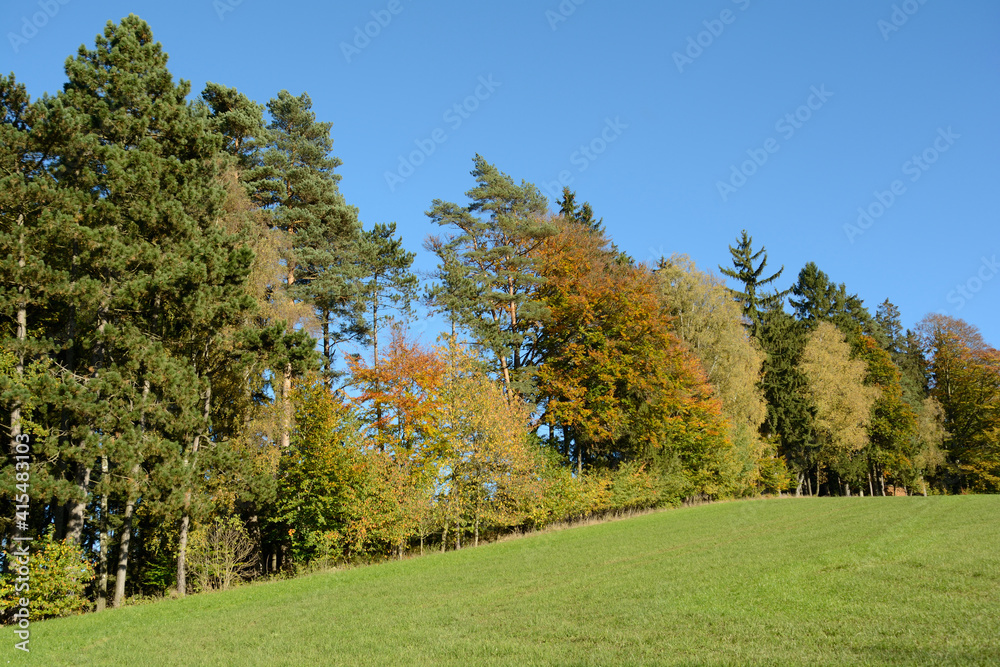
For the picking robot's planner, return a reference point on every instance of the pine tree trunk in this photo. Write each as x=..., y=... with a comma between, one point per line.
x=506, y=378
x=182, y=539
x=22, y=335
x=75, y=509
x=102, y=560
x=375, y=365
x=123, y=542
x=59, y=520
x=327, y=354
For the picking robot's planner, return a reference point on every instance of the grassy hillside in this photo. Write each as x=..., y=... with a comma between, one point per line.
x=810, y=581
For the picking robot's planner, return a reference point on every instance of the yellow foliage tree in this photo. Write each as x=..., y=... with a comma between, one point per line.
x=839, y=396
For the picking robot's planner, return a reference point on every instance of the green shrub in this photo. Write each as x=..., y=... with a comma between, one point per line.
x=58, y=575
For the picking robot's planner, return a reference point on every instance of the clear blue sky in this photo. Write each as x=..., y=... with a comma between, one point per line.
x=662, y=130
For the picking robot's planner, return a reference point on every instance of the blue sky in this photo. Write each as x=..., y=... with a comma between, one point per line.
x=681, y=123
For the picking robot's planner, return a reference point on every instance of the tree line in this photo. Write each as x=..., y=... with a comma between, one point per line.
x=178, y=276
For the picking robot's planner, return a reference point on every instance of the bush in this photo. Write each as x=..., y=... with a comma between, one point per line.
x=58, y=575
x=220, y=554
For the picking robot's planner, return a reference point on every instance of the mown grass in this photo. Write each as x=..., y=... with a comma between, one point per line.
x=794, y=581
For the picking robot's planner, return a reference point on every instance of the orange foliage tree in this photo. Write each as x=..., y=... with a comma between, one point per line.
x=615, y=376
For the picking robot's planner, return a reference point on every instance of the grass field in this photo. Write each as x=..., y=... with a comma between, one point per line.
x=795, y=581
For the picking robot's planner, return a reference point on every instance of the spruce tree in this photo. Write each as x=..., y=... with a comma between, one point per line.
x=752, y=297
x=789, y=418
x=583, y=215
x=817, y=299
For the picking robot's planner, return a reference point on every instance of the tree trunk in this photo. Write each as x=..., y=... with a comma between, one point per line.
x=506, y=378
x=75, y=509
x=286, y=413
x=182, y=539
x=327, y=354
x=123, y=542
x=375, y=366
x=22, y=336
x=798, y=488
x=102, y=559
x=444, y=538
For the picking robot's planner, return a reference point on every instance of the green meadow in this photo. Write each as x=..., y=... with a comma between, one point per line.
x=852, y=581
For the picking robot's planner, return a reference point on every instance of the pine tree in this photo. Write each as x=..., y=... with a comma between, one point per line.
x=300, y=187
x=385, y=285
x=157, y=284
x=31, y=280
x=385, y=281
x=494, y=239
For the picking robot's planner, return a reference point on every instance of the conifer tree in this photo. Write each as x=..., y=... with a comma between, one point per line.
x=789, y=419
x=493, y=239
x=385, y=281
x=815, y=298
x=583, y=215
x=752, y=297
x=164, y=283
x=300, y=187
